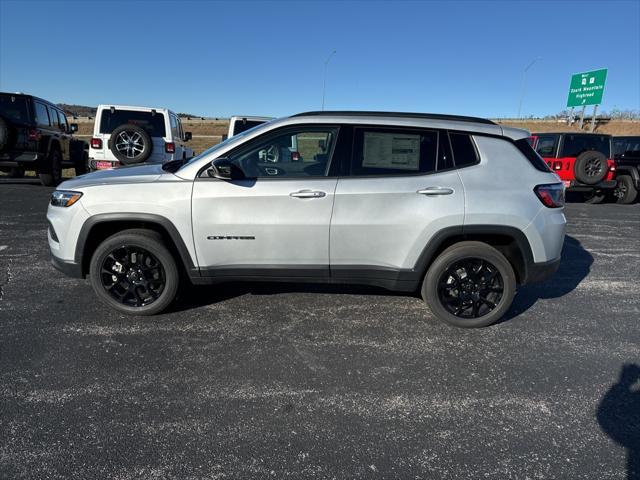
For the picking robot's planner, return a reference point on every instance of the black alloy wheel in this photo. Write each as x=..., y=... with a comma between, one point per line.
x=133, y=276
x=470, y=288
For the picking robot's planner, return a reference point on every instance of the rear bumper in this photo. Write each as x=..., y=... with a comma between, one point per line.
x=603, y=185
x=539, y=272
x=71, y=269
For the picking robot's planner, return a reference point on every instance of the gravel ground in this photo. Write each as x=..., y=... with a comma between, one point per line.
x=288, y=381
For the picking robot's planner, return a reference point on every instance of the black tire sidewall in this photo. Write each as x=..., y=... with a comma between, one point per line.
x=580, y=163
x=150, y=242
x=51, y=174
x=147, y=149
x=458, y=252
x=82, y=166
x=631, y=192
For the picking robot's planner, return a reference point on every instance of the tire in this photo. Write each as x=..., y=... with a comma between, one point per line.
x=594, y=198
x=493, y=267
x=590, y=167
x=135, y=144
x=625, y=191
x=4, y=133
x=51, y=174
x=16, y=172
x=135, y=276
x=82, y=167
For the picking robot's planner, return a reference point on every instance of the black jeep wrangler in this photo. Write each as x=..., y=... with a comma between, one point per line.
x=626, y=153
x=35, y=135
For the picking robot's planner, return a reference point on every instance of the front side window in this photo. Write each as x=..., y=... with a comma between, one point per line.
x=546, y=145
x=42, y=117
x=297, y=153
x=464, y=151
x=380, y=151
x=152, y=122
x=53, y=117
x=63, y=121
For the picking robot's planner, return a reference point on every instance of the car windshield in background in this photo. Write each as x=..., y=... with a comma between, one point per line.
x=574, y=145
x=153, y=123
x=14, y=108
x=243, y=126
x=629, y=146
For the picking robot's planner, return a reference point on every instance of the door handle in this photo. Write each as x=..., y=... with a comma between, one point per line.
x=431, y=191
x=308, y=194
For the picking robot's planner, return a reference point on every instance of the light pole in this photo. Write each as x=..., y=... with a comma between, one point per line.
x=524, y=83
x=324, y=77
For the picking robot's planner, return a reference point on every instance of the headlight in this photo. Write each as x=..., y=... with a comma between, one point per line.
x=64, y=198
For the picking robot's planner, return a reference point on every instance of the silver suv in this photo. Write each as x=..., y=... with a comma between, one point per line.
x=457, y=208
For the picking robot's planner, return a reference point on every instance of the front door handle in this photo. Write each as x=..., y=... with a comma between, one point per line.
x=430, y=191
x=308, y=194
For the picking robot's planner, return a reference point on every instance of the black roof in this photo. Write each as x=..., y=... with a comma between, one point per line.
x=28, y=95
x=430, y=116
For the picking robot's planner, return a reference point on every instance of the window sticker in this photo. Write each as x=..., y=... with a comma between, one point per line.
x=391, y=150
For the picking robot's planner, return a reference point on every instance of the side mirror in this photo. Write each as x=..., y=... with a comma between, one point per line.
x=73, y=127
x=224, y=169
x=187, y=136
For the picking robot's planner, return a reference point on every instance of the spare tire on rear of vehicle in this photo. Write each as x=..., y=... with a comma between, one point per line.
x=590, y=167
x=130, y=144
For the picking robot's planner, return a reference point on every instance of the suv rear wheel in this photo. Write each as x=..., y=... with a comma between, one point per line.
x=470, y=284
x=51, y=174
x=134, y=272
x=625, y=191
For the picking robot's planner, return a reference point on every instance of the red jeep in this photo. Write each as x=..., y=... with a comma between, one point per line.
x=583, y=161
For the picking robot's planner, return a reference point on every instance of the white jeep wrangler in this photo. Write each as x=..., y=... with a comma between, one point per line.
x=126, y=135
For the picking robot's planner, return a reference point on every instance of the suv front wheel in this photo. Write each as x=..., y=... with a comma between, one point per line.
x=470, y=284
x=134, y=272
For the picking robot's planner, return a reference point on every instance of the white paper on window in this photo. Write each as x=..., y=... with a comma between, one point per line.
x=391, y=150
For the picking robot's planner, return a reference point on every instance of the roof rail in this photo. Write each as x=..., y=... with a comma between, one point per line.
x=364, y=113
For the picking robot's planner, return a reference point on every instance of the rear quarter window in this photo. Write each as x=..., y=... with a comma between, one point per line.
x=464, y=150
x=153, y=123
x=530, y=154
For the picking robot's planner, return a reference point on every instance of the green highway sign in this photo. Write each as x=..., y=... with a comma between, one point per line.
x=587, y=88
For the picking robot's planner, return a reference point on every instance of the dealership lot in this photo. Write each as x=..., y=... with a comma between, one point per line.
x=320, y=381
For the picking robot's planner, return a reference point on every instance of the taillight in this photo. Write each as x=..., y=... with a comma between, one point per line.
x=33, y=134
x=612, y=165
x=96, y=143
x=551, y=195
x=170, y=147
x=557, y=165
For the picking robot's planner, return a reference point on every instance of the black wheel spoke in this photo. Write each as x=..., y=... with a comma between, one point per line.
x=470, y=288
x=140, y=277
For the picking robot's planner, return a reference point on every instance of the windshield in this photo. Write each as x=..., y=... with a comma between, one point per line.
x=224, y=143
x=574, y=145
x=153, y=123
x=14, y=108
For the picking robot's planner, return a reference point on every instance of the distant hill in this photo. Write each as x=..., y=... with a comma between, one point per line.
x=84, y=111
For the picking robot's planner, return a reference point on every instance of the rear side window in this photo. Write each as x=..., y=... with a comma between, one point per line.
x=42, y=117
x=574, y=145
x=153, y=123
x=546, y=145
x=464, y=151
x=628, y=146
x=14, y=108
x=535, y=159
x=394, y=152
x=53, y=117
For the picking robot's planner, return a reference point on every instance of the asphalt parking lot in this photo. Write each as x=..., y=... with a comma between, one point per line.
x=287, y=381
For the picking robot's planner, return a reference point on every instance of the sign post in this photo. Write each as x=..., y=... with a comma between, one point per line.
x=587, y=88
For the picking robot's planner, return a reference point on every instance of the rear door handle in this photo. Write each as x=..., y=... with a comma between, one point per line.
x=430, y=191
x=308, y=194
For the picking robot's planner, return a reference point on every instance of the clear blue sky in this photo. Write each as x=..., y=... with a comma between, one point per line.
x=217, y=59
